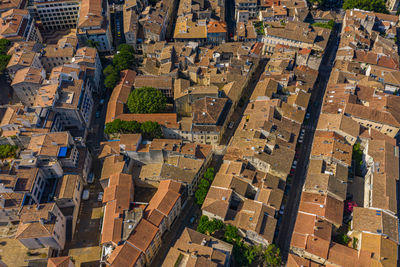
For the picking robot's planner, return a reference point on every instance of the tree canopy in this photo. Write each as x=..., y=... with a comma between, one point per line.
x=4, y=58
x=7, y=151
x=112, y=77
x=369, y=5
x=146, y=100
x=272, y=256
x=204, y=185
x=124, y=58
x=207, y=226
x=148, y=129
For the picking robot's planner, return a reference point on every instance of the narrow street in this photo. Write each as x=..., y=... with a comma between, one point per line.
x=230, y=18
x=289, y=217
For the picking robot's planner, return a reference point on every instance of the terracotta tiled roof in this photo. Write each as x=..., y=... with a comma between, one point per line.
x=216, y=27
x=143, y=235
x=64, y=261
x=124, y=255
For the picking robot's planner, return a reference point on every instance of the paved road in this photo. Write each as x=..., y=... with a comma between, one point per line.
x=289, y=217
x=230, y=18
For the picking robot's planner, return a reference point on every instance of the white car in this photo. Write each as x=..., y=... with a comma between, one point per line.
x=100, y=196
x=282, y=209
x=294, y=165
x=85, y=194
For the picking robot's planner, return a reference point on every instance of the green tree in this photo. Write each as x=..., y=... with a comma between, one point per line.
x=203, y=224
x=109, y=70
x=124, y=58
x=4, y=45
x=272, y=256
x=200, y=195
x=151, y=130
x=4, y=58
x=111, y=80
x=209, y=174
x=92, y=43
x=369, y=5
x=7, y=151
x=207, y=226
x=204, y=184
x=231, y=234
x=148, y=129
x=146, y=100
x=357, y=156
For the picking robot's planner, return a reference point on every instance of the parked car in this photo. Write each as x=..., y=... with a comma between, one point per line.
x=282, y=209
x=308, y=115
x=192, y=219
x=98, y=114
x=294, y=165
x=101, y=101
x=85, y=194
x=231, y=124
x=90, y=178
x=100, y=196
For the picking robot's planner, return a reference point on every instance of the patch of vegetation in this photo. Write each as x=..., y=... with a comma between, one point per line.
x=178, y=260
x=148, y=129
x=259, y=27
x=209, y=227
x=369, y=5
x=355, y=243
x=122, y=60
x=8, y=151
x=329, y=25
x=4, y=58
x=357, y=156
x=343, y=239
x=146, y=100
x=244, y=254
x=92, y=43
x=203, y=186
x=272, y=256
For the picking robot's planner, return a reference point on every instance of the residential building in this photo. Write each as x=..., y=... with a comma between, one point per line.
x=208, y=120
x=55, y=16
x=164, y=84
x=55, y=55
x=93, y=24
x=53, y=151
x=193, y=247
x=68, y=196
x=63, y=261
x=42, y=225
x=187, y=30
x=75, y=104
x=18, y=25
x=7, y=5
x=23, y=59
x=297, y=34
x=89, y=57
x=216, y=32
x=26, y=84
x=131, y=13
x=165, y=206
x=249, y=6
